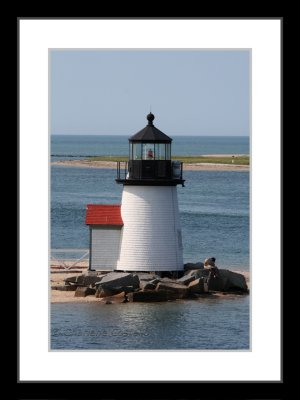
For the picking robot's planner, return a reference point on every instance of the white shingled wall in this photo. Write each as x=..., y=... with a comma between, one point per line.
x=105, y=247
x=151, y=235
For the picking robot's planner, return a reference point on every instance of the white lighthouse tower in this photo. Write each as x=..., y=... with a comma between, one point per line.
x=151, y=234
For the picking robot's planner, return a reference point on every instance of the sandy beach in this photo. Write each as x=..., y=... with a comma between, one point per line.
x=186, y=166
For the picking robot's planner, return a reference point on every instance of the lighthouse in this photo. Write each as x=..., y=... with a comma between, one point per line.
x=151, y=237
x=144, y=232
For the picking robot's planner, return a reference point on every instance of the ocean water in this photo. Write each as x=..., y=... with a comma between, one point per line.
x=71, y=146
x=204, y=324
x=214, y=212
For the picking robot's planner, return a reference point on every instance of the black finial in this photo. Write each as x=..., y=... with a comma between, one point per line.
x=150, y=118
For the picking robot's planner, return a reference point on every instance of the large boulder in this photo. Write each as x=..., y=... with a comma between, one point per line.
x=82, y=291
x=181, y=291
x=71, y=280
x=216, y=284
x=228, y=281
x=145, y=285
x=103, y=292
x=197, y=286
x=234, y=280
x=186, y=279
x=106, y=291
x=89, y=280
x=154, y=281
x=197, y=273
x=117, y=298
x=151, y=296
x=189, y=266
x=119, y=279
x=166, y=279
x=144, y=276
x=84, y=280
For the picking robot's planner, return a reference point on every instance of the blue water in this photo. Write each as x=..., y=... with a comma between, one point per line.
x=77, y=146
x=214, y=212
x=210, y=323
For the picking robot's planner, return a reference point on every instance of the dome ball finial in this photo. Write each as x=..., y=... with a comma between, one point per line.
x=150, y=118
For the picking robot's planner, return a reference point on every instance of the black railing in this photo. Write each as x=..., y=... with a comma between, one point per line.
x=181, y=169
x=131, y=171
x=122, y=169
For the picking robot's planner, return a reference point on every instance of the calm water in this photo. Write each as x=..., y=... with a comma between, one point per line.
x=197, y=324
x=214, y=212
x=70, y=146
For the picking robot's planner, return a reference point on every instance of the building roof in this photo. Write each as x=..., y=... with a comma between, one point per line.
x=103, y=214
x=150, y=134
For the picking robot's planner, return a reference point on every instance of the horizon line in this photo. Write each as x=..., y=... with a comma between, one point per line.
x=122, y=134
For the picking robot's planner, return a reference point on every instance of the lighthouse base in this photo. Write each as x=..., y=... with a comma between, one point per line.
x=151, y=235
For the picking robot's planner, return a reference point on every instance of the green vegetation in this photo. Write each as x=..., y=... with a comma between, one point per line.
x=242, y=160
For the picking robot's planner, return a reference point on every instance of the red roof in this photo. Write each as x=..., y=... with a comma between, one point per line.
x=103, y=214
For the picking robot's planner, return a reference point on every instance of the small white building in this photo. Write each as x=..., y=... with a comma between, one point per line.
x=144, y=233
x=105, y=223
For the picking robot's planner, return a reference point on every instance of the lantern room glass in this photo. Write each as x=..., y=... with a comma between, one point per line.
x=135, y=151
x=150, y=151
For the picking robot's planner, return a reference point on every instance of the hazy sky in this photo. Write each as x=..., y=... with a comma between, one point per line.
x=110, y=92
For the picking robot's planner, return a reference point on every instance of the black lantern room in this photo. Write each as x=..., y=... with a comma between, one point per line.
x=150, y=159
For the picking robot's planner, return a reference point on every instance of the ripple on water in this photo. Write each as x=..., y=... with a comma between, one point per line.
x=204, y=324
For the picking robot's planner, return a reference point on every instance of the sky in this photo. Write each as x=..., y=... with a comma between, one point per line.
x=110, y=92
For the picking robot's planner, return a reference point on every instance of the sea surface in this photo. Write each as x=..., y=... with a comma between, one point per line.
x=77, y=146
x=214, y=212
x=205, y=324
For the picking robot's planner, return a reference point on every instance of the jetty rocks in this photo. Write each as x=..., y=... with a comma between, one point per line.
x=196, y=281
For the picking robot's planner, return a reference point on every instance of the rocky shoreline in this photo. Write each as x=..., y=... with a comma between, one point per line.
x=196, y=281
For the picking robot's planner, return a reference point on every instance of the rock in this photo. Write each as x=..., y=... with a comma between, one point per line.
x=89, y=280
x=119, y=279
x=197, y=286
x=234, y=280
x=118, y=298
x=228, y=281
x=82, y=291
x=186, y=279
x=84, y=279
x=145, y=285
x=209, y=261
x=166, y=279
x=151, y=296
x=181, y=291
x=154, y=281
x=104, y=291
x=199, y=265
x=197, y=273
x=216, y=284
x=189, y=266
x=67, y=288
x=70, y=280
x=146, y=276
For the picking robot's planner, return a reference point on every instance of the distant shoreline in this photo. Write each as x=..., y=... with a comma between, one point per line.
x=194, y=166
